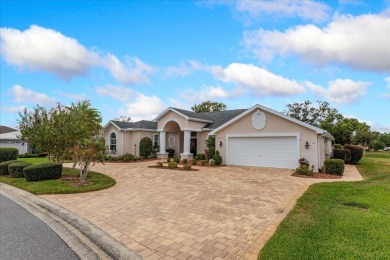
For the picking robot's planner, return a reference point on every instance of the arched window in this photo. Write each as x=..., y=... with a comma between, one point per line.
x=112, y=142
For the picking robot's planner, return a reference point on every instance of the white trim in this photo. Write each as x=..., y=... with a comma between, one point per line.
x=192, y=129
x=180, y=114
x=167, y=121
x=227, y=136
x=271, y=111
x=109, y=142
x=111, y=122
x=139, y=129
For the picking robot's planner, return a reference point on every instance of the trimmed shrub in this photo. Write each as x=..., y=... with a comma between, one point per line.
x=187, y=167
x=176, y=160
x=200, y=156
x=210, y=152
x=304, y=170
x=338, y=146
x=203, y=162
x=4, y=166
x=334, y=166
x=171, y=152
x=8, y=154
x=217, y=158
x=159, y=164
x=44, y=154
x=343, y=154
x=172, y=165
x=16, y=169
x=145, y=147
x=184, y=161
x=212, y=162
x=356, y=152
x=28, y=155
x=43, y=171
x=168, y=159
x=193, y=161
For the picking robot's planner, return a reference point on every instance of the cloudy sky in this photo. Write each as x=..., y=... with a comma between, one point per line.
x=136, y=58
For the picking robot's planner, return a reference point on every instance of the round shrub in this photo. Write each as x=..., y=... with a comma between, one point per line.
x=16, y=169
x=184, y=161
x=8, y=154
x=193, y=161
x=334, y=166
x=304, y=170
x=217, y=158
x=338, y=146
x=212, y=162
x=187, y=167
x=356, y=152
x=159, y=164
x=343, y=154
x=168, y=159
x=145, y=147
x=200, y=156
x=4, y=166
x=43, y=171
x=172, y=165
x=176, y=160
x=203, y=162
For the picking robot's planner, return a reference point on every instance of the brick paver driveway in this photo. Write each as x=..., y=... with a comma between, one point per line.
x=214, y=213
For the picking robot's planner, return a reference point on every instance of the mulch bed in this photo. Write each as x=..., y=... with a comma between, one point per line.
x=317, y=176
x=74, y=181
x=174, y=169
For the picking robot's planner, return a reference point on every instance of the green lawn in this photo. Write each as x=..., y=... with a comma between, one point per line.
x=34, y=160
x=343, y=220
x=97, y=181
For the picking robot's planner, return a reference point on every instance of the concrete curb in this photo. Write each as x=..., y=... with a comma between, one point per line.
x=88, y=241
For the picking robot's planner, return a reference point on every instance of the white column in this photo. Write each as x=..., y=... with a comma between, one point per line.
x=162, y=154
x=187, y=142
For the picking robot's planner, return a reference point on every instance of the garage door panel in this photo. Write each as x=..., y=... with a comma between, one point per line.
x=278, y=152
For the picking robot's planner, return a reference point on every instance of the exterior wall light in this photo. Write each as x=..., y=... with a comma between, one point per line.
x=220, y=143
x=307, y=145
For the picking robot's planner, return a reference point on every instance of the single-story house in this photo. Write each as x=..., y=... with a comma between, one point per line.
x=258, y=136
x=9, y=137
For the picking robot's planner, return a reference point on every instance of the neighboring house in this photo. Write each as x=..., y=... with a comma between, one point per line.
x=258, y=136
x=9, y=138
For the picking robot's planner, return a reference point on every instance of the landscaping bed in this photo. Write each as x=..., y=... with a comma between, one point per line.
x=316, y=176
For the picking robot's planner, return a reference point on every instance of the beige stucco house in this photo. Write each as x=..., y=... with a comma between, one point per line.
x=258, y=136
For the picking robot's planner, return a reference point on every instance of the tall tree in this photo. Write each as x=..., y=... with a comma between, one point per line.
x=209, y=106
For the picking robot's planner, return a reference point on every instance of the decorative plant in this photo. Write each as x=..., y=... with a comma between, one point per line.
x=303, y=161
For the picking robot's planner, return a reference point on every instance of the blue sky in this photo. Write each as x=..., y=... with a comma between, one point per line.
x=136, y=58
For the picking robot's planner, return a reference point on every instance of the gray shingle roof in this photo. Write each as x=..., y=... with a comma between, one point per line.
x=5, y=129
x=218, y=118
x=143, y=124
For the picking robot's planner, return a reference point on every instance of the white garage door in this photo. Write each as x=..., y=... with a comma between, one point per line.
x=275, y=152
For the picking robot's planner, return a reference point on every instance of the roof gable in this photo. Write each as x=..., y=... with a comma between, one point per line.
x=271, y=111
x=139, y=125
x=5, y=129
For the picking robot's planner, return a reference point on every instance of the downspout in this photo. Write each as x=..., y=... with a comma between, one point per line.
x=123, y=132
x=318, y=153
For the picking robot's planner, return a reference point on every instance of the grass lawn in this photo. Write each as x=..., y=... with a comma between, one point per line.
x=34, y=160
x=96, y=181
x=342, y=220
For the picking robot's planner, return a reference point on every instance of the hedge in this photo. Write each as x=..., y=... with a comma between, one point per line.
x=200, y=156
x=172, y=165
x=16, y=169
x=217, y=158
x=334, y=166
x=356, y=152
x=187, y=167
x=8, y=154
x=343, y=154
x=4, y=166
x=145, y=147
x=43, y=171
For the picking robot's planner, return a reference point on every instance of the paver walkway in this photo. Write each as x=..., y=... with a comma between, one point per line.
x=214, y=213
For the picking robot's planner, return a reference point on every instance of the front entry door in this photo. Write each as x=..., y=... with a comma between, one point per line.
x=193, y=144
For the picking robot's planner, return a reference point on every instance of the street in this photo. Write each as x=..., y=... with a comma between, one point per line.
x=24, y=236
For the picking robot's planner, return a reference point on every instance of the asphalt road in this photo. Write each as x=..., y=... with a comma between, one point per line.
x=24, y=236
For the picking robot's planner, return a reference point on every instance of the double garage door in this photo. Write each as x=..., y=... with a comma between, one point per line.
x=275, y=152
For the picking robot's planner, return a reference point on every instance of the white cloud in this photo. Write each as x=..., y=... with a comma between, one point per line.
x=42, y=49
x=341, y=91
x=184, y=69
x=133, y=71
x=143, y=108
x=263, y=82
x=387, y=95
x=12, y=109
x=117, y=92
x=361, y=42
x=305, y=9
x=24, y=95
x=71, y=96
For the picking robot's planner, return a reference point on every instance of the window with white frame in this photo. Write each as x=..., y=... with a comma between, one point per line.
x=112, y=142
x=156, y=140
